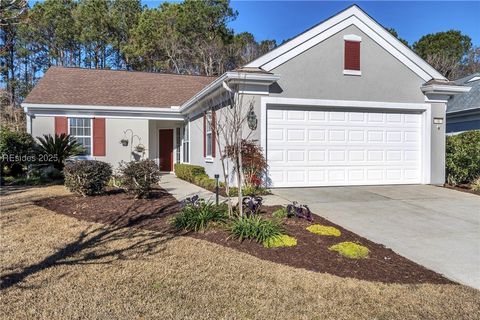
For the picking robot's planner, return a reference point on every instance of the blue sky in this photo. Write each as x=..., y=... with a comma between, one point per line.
x=282, y=20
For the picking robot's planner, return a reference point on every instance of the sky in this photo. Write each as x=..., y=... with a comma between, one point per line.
x=281, y=20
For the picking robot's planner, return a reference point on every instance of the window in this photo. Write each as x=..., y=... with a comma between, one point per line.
x=178, y=145
x=352, y=55
x=186, y=143
x=208, y=135
x=81, y=130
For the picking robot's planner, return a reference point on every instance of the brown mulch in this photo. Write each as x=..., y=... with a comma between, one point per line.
x=462, y=187
x=311, y=252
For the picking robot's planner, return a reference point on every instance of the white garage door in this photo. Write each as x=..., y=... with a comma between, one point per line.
x=327, y=148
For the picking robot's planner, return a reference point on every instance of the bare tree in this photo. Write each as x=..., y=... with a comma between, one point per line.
x=229, y=124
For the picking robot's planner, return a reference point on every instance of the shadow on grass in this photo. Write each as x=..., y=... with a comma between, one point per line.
x=103, y=244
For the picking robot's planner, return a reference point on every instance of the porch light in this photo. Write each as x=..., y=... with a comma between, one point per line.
x=252, y=119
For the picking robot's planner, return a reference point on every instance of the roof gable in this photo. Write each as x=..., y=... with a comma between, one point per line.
x=351, y=16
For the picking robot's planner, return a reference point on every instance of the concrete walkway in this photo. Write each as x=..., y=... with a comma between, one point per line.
x=436, y=227
x=181, y=189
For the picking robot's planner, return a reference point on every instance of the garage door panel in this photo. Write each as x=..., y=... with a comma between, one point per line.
x=319, y=148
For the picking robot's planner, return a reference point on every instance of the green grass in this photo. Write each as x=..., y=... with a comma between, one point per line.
x=255, y=228
x=324, y=230
x=351, y=250
x=280, y=213
x=280, y=241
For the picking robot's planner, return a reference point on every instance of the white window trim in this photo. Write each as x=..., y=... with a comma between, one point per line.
x=182, y=156
x=352, y=37
x=424, y=108
x=85, y=156
x=352, y=72
x=208, y=130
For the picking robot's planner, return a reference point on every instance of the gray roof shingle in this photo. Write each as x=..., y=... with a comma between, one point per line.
x=469, y=100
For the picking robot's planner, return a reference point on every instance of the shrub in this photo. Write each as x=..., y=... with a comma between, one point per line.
x=324, y=230
x=56, y=149
x=87, y=177
x=138, y=177
x=188, y=172
x=249, y=190
x=299, y=210
x=463, y=157
x=254, y=164
x=280, y=213
x=280, y=241
x=15, y=144
x=350, y=250
x=197, y=217
x=255, y=228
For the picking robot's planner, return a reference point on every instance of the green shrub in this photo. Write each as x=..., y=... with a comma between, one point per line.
x=463, y=157
x=280, y=213
x=87, y=177
x=138, y=177
x=350, y=250
x=197, y=217
x=56, y=149
x=324, y=230
x=249, y=191
x=255, y=228
x=15, y=150
x=280, y=241
x=188, y=172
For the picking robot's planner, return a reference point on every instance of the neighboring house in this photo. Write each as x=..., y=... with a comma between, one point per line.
x=344, y=103
x=463, y=111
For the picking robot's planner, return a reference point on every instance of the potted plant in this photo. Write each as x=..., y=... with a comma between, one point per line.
x=140, y=148
x=124, y=142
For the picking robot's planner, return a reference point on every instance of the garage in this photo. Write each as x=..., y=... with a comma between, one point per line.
x=312, y=146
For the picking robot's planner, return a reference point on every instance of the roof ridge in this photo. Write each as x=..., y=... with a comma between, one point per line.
x=131, y=71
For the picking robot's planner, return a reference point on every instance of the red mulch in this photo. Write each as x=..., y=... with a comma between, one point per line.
x=311, y=252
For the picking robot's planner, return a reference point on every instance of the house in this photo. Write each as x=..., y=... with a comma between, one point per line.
x=344, y=103
x=463, y=111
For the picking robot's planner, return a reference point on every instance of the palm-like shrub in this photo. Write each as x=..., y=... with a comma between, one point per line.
x=56, y=149
x=255, y=228
x=197, y=216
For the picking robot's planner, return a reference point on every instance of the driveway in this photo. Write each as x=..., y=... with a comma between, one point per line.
x=433, y=226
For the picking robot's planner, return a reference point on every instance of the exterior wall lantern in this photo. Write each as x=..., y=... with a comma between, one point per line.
x=252, y=119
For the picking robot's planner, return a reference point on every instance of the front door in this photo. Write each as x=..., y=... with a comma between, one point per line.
x=166, y=150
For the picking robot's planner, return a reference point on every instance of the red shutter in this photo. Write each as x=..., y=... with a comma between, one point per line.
x=61, y=125
x=99, y=137
x=204, y=135
x=352, y=55
x=214, y=140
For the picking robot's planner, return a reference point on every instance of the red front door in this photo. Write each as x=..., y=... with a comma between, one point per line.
x=166, y=150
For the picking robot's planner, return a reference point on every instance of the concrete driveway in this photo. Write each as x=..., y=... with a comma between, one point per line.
x=433, y=226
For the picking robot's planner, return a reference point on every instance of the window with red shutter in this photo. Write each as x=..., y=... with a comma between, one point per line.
x=352, y=55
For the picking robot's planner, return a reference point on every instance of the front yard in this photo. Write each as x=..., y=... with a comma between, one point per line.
x=55, y=266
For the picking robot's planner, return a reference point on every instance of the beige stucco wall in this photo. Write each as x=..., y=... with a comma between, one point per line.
x=115, y=152
x=43, y=125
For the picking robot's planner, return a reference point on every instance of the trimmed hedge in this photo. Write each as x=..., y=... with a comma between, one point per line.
x=463, y=157
x=87, y=177
x=188, y=172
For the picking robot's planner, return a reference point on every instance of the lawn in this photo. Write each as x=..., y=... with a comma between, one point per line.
x=57, y=267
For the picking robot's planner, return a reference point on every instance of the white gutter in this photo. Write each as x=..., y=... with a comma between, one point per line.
x=27, y=106
x=444, y=89
x=230, y=76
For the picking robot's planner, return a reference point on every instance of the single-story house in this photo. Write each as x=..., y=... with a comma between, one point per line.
x=344, y=103
x=463, y=111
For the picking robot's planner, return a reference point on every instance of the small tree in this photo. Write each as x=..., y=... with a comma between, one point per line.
x=56, y=149
x=230, y=129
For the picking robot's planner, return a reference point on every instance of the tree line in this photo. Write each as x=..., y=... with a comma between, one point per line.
x=190, y=37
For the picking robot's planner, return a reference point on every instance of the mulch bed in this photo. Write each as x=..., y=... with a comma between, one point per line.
x=462, y=187
x=311, y=252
